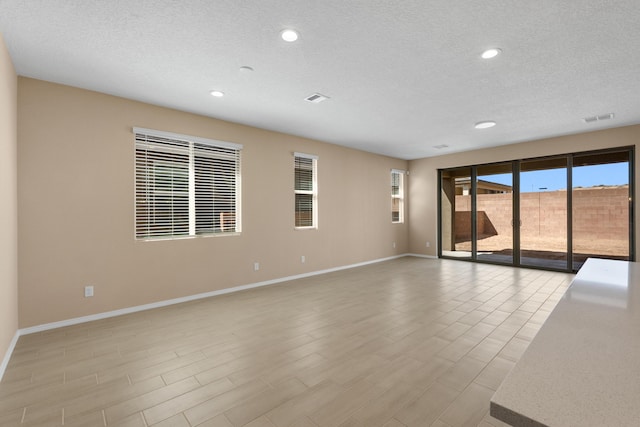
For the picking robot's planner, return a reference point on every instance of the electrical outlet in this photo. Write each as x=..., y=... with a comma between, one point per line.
x=428, y=244
x=88, y=291
x=394, y=244
x=256, y=266
x=302, y=259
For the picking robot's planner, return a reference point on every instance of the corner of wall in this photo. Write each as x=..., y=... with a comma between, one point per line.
x=422, y=193
x=8, y=208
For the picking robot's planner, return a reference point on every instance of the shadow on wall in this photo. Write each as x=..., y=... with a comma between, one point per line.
x=463, y=226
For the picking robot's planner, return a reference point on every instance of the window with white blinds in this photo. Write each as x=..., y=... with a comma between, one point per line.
x=397, y=196
x=306, y=191
x=185, y=186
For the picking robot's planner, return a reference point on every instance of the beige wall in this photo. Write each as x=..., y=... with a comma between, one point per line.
x=9, y=204
x=424, y=173
x=77, y=213
x=76, y=204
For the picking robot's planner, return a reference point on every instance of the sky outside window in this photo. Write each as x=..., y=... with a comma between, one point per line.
x=556, y=179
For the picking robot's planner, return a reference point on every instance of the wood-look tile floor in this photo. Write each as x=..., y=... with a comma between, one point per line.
x=408, y=342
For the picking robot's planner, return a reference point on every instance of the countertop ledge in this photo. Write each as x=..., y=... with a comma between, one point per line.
x=583, y=366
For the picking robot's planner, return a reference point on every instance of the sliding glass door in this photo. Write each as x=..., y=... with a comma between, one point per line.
x=543, y=213
x=494, y=213
x=550, y=213
x=601, y=206
x=456, y=210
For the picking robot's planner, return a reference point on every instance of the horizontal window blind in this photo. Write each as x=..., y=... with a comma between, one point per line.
x=304, y=174
x=185, y=186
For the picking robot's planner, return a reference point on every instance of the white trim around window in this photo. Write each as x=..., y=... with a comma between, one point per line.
x=397, y=195
x=305, y=191
x=185, y=186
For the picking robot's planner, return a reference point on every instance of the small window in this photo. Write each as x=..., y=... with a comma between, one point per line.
x=185, y=186
x=306, y=191
x=397, y=196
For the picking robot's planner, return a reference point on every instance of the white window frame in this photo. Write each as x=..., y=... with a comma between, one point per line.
x=147, y=140
x=399, y=197
x=313, y=192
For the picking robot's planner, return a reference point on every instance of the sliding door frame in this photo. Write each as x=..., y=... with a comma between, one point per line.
x=516, y=219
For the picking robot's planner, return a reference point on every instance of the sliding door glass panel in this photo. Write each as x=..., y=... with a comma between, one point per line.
x=600, y=206
x=455, y=214
x=543, y=213
x=494, y=213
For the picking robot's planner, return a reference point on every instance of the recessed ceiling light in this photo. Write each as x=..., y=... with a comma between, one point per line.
x=491, y=53
x=485, y=125
x=289, y=35
x=217, y=93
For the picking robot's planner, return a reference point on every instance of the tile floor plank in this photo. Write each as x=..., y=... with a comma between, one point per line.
x=225, y=401
x=428, y=407
x=185, y=401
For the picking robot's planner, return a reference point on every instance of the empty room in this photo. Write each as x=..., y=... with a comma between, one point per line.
x=318, y=213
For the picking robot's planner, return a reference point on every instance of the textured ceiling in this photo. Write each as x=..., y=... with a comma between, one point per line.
x=402, y=76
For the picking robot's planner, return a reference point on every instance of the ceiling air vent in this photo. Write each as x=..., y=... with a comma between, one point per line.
x=601, y=117
x=440, y=147
x=316, y=98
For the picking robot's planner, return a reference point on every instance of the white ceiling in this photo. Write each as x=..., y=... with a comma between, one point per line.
x=402, y=76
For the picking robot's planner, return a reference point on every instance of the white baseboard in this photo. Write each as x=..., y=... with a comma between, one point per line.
x=7, y=355
x=128, y=310
x=423, y=256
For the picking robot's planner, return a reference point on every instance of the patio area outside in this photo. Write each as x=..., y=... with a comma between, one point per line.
x=600, y=224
